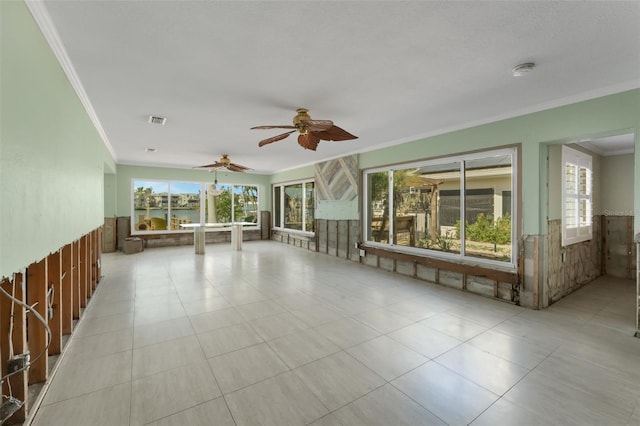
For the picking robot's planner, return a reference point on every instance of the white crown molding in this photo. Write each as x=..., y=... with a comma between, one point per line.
x=41, y=16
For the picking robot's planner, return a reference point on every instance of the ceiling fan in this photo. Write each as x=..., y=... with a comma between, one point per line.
x=225, y=163
x=311, y=131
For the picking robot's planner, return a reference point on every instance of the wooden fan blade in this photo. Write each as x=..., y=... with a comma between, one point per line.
x=237, y=168
x=308, y=141
x=317, y=125
x=274, y=127
x=274, y=138
x=215, y=165
x=335, y=133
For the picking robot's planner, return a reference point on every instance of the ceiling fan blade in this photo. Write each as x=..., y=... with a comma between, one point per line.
x=274, y=127
x=215, y=165
x=317, y=125
x=236, y=168
x=335, y=133
x=275, y=138
x=308, y=141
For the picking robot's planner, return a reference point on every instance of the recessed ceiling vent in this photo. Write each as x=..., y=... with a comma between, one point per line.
x=154, y=119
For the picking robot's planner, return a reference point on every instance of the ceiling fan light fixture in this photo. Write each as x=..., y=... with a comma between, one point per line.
x=522, y=69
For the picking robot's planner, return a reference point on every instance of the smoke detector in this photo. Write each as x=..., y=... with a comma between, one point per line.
x=522, y=69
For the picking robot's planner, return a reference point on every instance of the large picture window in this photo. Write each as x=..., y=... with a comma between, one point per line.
x=163, y=206
x=294, y=206
x=453, y=207
x=576, y=196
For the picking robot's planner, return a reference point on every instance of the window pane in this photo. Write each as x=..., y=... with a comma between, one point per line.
x=442, y=203
x=293, y=206
x=246, y=203
x=410, y=204
x=185, y=204
x=276, y=206
x=571, y=178
x=150, y=205
x=571, y=212
x=222, y=204
x=378, y=207
x=487, y=228
x=309, y=214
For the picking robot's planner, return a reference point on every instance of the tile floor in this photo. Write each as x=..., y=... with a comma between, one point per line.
x=277, y=335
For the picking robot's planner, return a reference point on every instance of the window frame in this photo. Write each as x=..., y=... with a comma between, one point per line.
x=580, y=232
x=281, y=209
x=202, y=213
x=450, y=256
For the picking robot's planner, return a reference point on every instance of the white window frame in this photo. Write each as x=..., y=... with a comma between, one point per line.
x=282, y=209
x=575, y=230
x=510, y=265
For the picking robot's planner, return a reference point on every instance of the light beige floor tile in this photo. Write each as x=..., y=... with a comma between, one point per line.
x=424, y=340
x=247, y=366
x=489, y=371
x=75, y=378
x=169, y=392
x=282, y=400
x=383, y=320
x=504, y=411
x=302, y=347
x=353, y=305
x=296, y=301
x=255, y=310
x=419, y=308
x=461, y=329
x=227, y=339
x=512, y=348
x=106, y=407
x=563, y=403
x=278, y=325
x=315, y=315
x=187, y=295
x=158, y=313
x=98, y=325
x=452, y=398
x=95, y=310
x=386, y=357
x=338, y=379
x=209, y=413
x=149, y=334
x=383, y=407
x=216, y=319
x=328, y=420
x=195, y=307
x=347, y=332
x=163, y=356
x=100, y=345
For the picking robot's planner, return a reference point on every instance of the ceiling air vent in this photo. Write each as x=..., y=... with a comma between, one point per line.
x=154, y=119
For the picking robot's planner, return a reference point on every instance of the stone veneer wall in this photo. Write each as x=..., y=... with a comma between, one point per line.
x=571, y=267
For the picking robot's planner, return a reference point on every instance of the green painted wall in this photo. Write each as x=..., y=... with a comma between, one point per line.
x=52, y=159
x=617, y=184
x=125, y=174
x=306, y=172
x=110, y=195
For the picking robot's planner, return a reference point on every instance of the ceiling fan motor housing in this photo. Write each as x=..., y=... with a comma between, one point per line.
x=302, y=114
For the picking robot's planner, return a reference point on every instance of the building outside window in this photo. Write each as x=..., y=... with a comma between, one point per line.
x=294, y=206
x=577, y=176
x=164, y=206
x=418, y=208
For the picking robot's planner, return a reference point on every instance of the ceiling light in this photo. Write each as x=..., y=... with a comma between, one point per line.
x=154, y=119
x=522, y=69
x=150, y=149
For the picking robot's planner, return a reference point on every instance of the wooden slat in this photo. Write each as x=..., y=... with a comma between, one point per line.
x=37, y=334
x=84, y=270
x=66, y=306
x=76, y=270
x=19, y=386
x=54, y=273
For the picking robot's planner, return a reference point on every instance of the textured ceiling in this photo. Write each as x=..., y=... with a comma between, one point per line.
x=387, y=72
